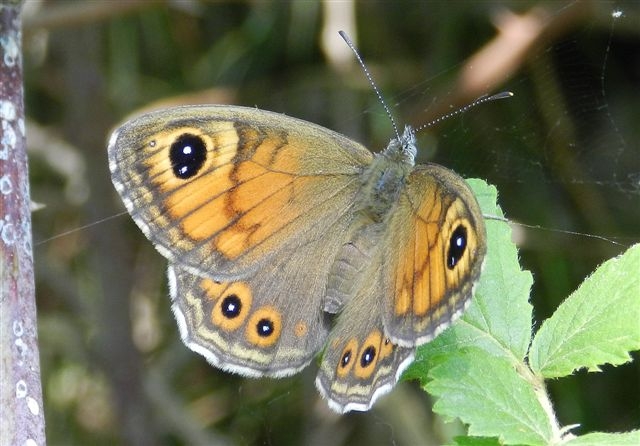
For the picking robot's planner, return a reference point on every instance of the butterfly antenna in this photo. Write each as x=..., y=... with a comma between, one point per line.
x=370, y=79
x=481, y=100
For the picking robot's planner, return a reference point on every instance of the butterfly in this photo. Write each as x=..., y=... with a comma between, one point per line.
x=287, y=241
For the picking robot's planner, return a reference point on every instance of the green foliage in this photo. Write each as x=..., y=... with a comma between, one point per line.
x=476, y=441
x=600, y=438
x=598, y=324
x=485, y=371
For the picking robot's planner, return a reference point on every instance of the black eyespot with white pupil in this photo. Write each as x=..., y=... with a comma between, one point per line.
x=231, y=306
x=187, y=155
x=346, y=359
x=367, y=357
x=457, y=246
x=265, y=327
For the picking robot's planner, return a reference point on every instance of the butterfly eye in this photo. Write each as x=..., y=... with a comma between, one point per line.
x=368, y=355
x=187, y=155
x=457, y=246
x=229, y=303
x=345, y=365
x=264, y=327
x=346, y=358
x=231, y=306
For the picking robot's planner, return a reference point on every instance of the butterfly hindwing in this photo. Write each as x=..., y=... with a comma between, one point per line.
x=360, y=363
x=439, y=243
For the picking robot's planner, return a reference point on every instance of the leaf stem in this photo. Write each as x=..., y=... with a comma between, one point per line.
x=540, y=390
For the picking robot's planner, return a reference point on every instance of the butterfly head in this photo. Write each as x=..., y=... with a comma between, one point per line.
x=402, y=149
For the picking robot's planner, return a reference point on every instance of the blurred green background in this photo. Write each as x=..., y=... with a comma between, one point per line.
x=563, y=153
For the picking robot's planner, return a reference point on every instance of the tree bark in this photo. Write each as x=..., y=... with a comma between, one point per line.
x=21, y=410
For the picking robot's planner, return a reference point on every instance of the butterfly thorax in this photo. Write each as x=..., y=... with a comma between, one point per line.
x=385, y=178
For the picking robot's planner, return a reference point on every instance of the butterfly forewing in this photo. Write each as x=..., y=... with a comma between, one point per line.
x=220, y=190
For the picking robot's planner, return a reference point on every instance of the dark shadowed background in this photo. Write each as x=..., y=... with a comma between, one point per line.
x=563, y=153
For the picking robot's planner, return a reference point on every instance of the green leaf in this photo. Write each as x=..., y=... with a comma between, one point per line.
x=486, y=393
x=598, y=324
x=476, y=441
x=605, y=439
x=499, y=318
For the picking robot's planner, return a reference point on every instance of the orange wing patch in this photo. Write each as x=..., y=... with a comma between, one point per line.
x=368, y=355
x=347, y=358
x=264, y=327
x=223, y=295
x=423, y=280
x=247, y=190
